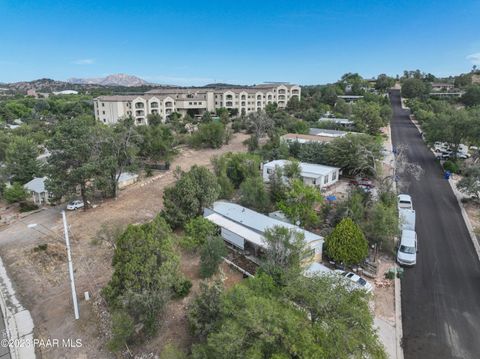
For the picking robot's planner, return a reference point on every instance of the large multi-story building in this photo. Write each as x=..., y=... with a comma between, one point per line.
x=194, y=101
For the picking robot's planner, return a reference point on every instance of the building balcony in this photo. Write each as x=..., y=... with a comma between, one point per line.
x=139, y=105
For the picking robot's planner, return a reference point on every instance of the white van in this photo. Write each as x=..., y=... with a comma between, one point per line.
x=407, y=250
x=406, y=219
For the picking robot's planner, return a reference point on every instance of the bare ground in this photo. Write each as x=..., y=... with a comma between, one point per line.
x=41, y=276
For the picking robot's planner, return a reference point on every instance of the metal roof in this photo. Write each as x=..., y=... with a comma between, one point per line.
x=256, y=221
x=310, y=170
x=36, y=185
x=326, y=132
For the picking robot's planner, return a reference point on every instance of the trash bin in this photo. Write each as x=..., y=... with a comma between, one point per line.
x=447, y=175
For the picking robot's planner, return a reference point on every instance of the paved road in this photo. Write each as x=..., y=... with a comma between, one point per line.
x=441, y=294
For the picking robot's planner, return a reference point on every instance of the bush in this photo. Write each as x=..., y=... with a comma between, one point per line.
x=211, y=256
x=451, y=166
x=15, y=193
x=197, y=231
x=27, y=206
x=40, y=248
x=182, y=288
x=122, y=331
x=347, y=243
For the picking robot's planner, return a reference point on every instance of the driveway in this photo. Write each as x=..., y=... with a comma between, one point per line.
x=441, y=294
x=19, y=233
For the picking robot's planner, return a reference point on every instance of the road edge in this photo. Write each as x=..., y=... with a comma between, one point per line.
x=473, y=236
x=397, y=283
x=18, y=321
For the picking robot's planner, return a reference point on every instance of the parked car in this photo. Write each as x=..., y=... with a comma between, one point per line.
x=404, y=202
x=407, y=250
x=359, y=181
x=358, y=281
x=407, y=219
x=74, y=205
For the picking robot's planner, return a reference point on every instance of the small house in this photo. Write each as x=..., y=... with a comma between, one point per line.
x=311, y=174
x=36, y=188
x=127, y=179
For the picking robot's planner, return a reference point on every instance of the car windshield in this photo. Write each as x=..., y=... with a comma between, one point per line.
x=404, y=204
x=361, y=281
x=407, y=249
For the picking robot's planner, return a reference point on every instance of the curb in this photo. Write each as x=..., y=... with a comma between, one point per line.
x=397, y=284
x=473, y=236
x=18, y=321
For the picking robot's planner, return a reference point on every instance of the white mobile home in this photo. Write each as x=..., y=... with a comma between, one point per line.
x=312, y=174
x=244, y=228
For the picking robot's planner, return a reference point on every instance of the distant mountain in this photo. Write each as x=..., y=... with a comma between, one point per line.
x=111, y=80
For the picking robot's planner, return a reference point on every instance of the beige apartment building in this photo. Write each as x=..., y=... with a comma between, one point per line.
x=194, y=101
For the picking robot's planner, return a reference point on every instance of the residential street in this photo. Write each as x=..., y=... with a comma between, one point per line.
x=441, y=294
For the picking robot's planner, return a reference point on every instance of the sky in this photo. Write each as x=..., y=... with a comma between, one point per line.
x=242, y=41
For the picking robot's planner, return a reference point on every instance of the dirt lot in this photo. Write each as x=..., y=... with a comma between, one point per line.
x=41, y=275
x=473, y=211
x=384, y=291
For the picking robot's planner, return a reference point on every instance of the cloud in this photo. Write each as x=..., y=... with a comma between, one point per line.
x=84, y=62
x=474, y=58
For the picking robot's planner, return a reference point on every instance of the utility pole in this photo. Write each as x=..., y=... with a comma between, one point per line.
x=70, y=267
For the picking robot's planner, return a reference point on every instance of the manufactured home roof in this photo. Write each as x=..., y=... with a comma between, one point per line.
x=236, y=228
x=256, y=221
x=343, y=121
x=326, y=132
x=308, y=138
x=310, y=170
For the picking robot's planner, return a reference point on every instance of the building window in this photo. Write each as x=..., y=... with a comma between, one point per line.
x=269, y=171
x=103, y=112
x=103, y=105
x=104, y=120
x=325, y=179
x=154, y=104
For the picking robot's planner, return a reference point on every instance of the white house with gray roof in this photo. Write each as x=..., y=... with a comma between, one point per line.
x=36, y=188
x=193, y=100
x=311, y=174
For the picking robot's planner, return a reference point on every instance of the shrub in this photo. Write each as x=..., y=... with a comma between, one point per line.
x=211, y=256
x=122, y=331
x=182, y=288
x=451, y=166
x=347, y=243
x=15, y=193
x=27, y=206
x=197, y=231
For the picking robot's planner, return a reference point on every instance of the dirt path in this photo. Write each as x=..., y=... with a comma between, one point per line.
x=41, y=276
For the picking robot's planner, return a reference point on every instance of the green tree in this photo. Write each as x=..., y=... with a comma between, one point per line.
x=470, y=183
x=368, y=117
x=471, y=97
x=254, y=195
x=236, y=166
x=157, y=143
x=414, y=87
x=384, y=82
x=15, y=193
x=146, y=269
x=21, y=160
x=193, y=191
x=277, y=185
x=286, y=249
x=72, y=163
x=301, y=203
x=347, y=243
x=340, y=317
x=154, y=119
x=123, y=331
x=211, y=134
x=117, y=152
x=205, y=309
x=211, y=256
x=198, y=230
